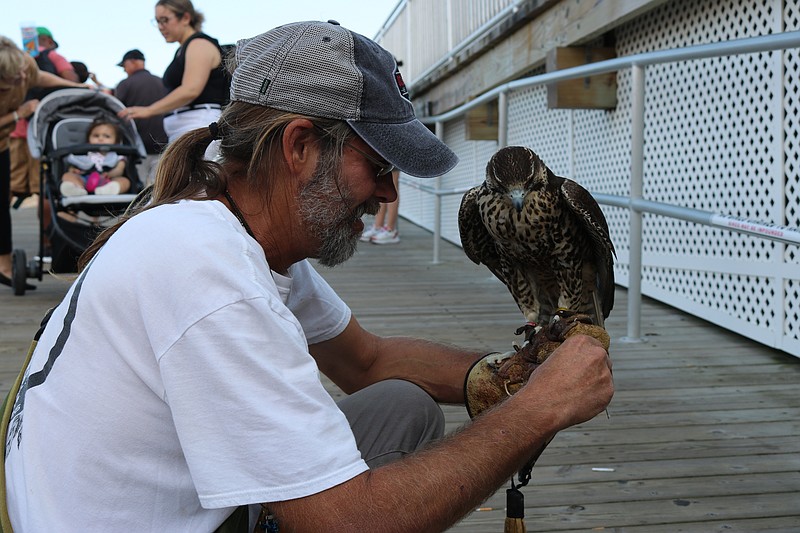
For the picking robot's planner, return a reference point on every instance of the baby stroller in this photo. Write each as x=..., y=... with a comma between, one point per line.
x=58, y=128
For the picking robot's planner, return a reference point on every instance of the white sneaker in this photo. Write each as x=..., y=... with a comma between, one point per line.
x=30, y=201
x=112, y=187
x=68, y=188
x=368, y=233
x=385, y=236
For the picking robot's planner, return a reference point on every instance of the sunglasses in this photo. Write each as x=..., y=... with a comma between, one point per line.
x=163, y=21
x=384, y=167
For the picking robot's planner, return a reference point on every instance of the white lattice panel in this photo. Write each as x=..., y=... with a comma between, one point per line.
x=791, y=147
x=713, y=142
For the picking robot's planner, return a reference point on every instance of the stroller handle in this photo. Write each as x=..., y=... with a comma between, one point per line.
x=85, y=148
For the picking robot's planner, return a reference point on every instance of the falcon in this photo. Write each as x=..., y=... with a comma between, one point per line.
x=542, y=235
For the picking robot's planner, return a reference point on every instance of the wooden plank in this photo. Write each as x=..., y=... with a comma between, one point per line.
x=577, y=516
x=608, y=453
x=601, y=492
x=773, y=524
x=482, y=122
x=591, y=92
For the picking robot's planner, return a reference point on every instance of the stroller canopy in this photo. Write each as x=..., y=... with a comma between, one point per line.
x=68, y=103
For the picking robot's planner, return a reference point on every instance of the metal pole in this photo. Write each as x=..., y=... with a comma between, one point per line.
x=637, y=180
x=437, y=206
x=502, y=119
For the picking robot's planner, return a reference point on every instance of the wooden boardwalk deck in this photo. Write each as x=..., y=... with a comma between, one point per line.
x=704, y=430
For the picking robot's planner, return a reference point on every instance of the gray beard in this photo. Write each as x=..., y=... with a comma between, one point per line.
x=326, y=215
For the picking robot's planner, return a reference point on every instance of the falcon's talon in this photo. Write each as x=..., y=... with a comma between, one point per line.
x=525, y=328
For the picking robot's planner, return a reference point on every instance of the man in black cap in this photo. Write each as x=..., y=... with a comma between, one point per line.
x=143, y=88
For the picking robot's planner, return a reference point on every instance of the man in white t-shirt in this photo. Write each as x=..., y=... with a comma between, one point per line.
x=188, y=394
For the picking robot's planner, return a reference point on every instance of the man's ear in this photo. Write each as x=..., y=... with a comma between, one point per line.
x=300, y=147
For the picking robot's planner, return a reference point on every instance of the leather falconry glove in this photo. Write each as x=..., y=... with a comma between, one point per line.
x=497, y=376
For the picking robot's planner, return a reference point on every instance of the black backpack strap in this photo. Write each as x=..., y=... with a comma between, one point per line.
x=45, y=64
x=8, y=407
x=238, y=522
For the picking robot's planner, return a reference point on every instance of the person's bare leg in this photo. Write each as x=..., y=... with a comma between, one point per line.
x=5, y=265
x=393, y=208
x=380, y=216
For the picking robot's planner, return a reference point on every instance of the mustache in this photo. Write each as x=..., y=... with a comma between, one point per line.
x=370, y=207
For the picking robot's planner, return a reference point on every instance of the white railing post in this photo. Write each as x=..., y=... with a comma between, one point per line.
x=502, y=119
x=637, y=188
x=437, y=206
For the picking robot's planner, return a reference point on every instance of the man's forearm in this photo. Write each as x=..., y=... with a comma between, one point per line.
x=437, y=368
x=356, y=359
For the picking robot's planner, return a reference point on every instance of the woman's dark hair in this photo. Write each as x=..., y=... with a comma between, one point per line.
x=250, y=151
x=180, y=7
x=81, y=70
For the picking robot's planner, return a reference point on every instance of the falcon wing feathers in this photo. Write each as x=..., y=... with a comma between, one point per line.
x=586, y=208
x=476, y=240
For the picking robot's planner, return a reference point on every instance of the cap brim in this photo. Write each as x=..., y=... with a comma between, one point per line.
x=410, y=146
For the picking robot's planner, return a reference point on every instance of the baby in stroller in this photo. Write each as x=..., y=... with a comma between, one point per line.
x=101, y=173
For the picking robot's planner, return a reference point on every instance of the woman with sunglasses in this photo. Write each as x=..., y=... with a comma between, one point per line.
x=196, y=78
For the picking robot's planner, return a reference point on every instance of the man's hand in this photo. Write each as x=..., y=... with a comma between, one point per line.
x=574, y=384
x=134, y=112
x=497, y=376
x=27, y=108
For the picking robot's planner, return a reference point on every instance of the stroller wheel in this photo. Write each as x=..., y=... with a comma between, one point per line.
x=19, y=272
x=35, y=268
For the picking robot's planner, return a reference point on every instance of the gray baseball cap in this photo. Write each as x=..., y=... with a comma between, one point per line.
x=321, y=69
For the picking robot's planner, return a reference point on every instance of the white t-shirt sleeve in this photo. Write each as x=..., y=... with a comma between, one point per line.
x=253, y=419
x=321, y=312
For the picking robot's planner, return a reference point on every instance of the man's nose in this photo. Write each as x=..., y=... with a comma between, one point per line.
x=385, y=190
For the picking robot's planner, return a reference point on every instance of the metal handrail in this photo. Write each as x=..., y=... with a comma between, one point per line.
x=765, y=230
x=635, y=203
x=757, y=228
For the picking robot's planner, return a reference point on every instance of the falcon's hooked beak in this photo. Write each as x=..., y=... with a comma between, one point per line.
x=517, y=198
